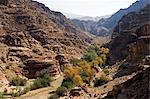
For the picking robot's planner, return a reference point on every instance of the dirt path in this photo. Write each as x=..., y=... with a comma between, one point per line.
x=42, y=93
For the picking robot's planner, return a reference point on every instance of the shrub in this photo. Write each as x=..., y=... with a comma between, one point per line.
x=39, y=83
x=16, y=92
x=68, y=83
x=100, y=61
x=54, y=96
x=84, y=77
x=106, y=71
x=44, y=74
x=70, y=72
x=78, y=80
x=43, y=79
x=1, y=96
x=104, y=50
x=101, y=81
x=18, y=81
x=61, y=91
x=90, y=56
x=25, y=90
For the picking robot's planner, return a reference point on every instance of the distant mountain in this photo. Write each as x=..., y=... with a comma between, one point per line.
x=85, y=18
x=72, y=16
x=93, y=27
x=106, y=23
x=135, y=7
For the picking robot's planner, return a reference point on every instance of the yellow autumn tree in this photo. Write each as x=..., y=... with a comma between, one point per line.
x=104, y=50
x=70, y=71
x=78, y=80
x=100, y=61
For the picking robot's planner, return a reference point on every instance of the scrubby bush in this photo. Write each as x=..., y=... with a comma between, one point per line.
x=18, y=81
x=106, y=71
x=1, y=96
x=104, y=50
x=61, y=91
x=78, y=80
x=43, y=74
x=101, y=81
x=84, y=77
x=70, y=72
x=25, y=90
x=43, y=80
x=40, y=83
x=68, y=83
x=54, y=96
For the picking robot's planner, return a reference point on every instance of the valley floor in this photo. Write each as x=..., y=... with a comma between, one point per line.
x=42, y=93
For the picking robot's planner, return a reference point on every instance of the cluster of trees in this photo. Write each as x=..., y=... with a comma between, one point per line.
x=82, y=70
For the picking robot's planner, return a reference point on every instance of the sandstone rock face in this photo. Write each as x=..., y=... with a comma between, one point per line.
x=31, y=36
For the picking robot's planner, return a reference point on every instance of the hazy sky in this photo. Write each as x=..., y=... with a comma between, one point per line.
x=87, y=7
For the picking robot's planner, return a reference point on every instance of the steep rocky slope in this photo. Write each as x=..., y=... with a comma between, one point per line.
x=135, y=88
x=131, y=40
x=130, y=36
x=32, y=38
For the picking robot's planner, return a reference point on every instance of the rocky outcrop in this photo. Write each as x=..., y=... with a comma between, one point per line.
x=135, y=88
x=38, y=65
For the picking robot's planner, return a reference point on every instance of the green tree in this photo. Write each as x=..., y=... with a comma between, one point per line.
x=90, y=56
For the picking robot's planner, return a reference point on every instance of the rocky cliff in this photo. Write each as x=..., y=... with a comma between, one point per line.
x=131, y=40
x=32, y=36
x=130, y=36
